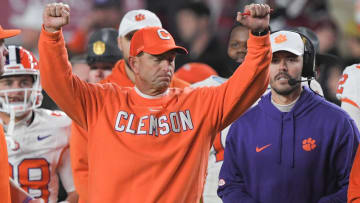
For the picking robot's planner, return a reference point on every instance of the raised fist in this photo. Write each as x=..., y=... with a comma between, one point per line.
x=55, y=16
x=259, y=17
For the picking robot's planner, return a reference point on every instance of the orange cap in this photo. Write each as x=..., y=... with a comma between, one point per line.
x=194, y=72
x=154, y=41
x=8, y=33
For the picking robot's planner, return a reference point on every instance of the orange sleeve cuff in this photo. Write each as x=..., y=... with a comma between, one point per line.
x=51, y=36
x=258, y=40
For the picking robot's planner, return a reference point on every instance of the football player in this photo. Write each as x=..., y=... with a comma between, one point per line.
x=37, y=139
x=349, y=93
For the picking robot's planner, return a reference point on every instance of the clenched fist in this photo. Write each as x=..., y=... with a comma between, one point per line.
x=55, y=16
x=259, y=17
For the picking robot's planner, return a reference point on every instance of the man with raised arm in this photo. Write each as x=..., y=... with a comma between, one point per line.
x=150, y=143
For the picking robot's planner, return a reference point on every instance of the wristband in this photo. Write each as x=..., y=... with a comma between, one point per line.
x=27, y=200
x=263, y=33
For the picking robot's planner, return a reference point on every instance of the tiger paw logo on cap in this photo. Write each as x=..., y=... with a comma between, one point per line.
x=99, y=47
x=140, y=17
x=280, y=39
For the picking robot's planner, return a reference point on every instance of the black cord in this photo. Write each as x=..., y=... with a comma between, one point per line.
x=309, y=82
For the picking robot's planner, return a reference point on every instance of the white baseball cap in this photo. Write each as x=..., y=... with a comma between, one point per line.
x=287, y=41
x=137, y=19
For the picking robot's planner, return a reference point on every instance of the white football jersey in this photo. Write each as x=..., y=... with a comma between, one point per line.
x=349, y=85
x=349, y=91
x=38, y=152
x=314, y=85
x=216, y=155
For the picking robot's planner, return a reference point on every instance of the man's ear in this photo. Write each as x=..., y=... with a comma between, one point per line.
x=119, y=43
x=134, y=64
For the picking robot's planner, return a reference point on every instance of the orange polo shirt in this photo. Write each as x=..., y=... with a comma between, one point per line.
x=150, y=149
x=78, y=139
x=4, y=170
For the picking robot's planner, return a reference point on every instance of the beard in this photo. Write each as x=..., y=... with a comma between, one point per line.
x=287, y=91
x=283, y=90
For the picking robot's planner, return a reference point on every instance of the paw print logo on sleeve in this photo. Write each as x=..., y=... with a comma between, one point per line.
x=309, y=144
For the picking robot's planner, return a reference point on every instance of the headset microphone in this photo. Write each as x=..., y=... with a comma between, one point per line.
x=293, y=81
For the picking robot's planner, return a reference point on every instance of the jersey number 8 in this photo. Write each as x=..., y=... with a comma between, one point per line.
x=26, y=170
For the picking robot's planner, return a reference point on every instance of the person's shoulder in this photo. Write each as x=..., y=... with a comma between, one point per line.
x=351, y=76
x=118, y=75
x=334, y=117
x=244, y=125
x=249, y=115
x=355, y=68
x=314, y=85
x=348, y=86
x=53, y=127
x=202, y=87
x=114, y=88
x=54, y=118
x=213, y=80
x=333, y=110
x=179, y=83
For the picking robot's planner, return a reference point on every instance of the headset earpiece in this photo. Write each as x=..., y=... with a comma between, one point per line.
x=308, y=58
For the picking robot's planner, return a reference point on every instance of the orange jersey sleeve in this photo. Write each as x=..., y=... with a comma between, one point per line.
x=4, y=170
x=150, y=149
x=75, y=89
x=354, y=180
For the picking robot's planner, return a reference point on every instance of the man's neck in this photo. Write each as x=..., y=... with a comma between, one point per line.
x=6, y=117
x=148, y=90
x=129, y=73
x=285, y=99
x=150, y=95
